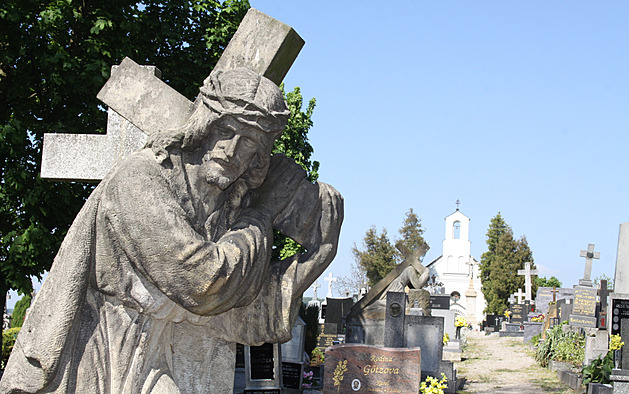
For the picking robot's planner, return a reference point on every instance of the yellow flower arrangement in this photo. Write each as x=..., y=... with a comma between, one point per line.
x=460, y=322
x=615, y=342
x=446, y=339
x=433, y=386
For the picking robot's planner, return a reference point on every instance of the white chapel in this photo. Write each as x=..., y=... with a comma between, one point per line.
x=456, y=272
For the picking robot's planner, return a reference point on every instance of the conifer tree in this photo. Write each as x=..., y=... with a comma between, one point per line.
x=411, y=231
x=500, y=264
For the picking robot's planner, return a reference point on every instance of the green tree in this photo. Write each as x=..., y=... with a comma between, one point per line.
x=378, y=256
x=543, y=281
x=411, y=231
x=19, y=311
x=293, y=142
x=610, y=281
x=499, y=265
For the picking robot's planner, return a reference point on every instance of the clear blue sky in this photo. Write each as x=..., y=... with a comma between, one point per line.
x=518, y=107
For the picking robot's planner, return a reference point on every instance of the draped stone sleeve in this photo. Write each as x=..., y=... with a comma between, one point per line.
x=153, y=232
x=271, y=316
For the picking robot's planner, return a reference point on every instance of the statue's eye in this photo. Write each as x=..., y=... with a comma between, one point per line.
x=224, y=132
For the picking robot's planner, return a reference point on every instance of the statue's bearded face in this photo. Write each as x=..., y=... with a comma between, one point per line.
x=232, y=147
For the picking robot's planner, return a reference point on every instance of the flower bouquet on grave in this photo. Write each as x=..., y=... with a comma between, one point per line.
x=458, y=323
x=538, y=318
x=433, y=386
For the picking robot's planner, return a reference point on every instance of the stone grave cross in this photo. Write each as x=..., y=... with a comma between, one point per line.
x=330, y=279
x=512, y=299
x=315, y=286
x=141, y=104
x=589, y=254
x=527, y=272
x=519, y=294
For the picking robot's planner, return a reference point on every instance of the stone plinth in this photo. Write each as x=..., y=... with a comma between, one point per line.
x=531, y=329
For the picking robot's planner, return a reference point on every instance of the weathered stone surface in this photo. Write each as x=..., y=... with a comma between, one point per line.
x=363, y=368
x=596, y=345
x=168, y=264
x=264, y=45
x=426, y=332
x=621, y=279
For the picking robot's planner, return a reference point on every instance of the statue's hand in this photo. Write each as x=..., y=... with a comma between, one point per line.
x=280, y=184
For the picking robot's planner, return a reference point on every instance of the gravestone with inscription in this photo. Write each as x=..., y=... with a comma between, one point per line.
x=620, y=312
x=362, y=368
x=263, y=369
x=584, y=307
x=545, y=296
x=439, y=302
x=293, y=358
x=517, y=313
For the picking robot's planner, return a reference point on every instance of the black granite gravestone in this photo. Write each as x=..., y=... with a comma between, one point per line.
x=517, y=313
x=394, y=319
x=620, y=312
x=439, y=302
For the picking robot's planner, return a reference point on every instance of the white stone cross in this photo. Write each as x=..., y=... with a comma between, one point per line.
x=519, y=294
x=527, y=272
x=315, y=286
x=589, y=254
x=140, y=103
x=512, y=299
x=330, y=279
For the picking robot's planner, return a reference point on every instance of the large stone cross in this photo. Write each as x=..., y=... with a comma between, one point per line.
x=589, y=254
x=527, y=272
x=140, y=103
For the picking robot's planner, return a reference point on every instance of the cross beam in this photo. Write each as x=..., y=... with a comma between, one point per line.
x=589, y=254
x=140, y=103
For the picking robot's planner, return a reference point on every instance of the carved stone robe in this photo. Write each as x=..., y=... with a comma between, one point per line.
x=141, y=298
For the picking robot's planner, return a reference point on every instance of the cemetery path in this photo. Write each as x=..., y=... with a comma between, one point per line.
x=492, y=364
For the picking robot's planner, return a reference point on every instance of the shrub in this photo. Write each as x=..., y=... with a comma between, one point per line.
x=561, y=346
x=8, y=340
x=599, y=370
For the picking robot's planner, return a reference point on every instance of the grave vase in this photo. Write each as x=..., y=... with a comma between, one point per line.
x=458, y=333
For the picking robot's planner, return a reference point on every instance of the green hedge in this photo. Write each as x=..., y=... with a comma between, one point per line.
x=8, y=340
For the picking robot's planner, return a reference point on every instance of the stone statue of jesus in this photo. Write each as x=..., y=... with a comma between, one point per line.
x=168, y=264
